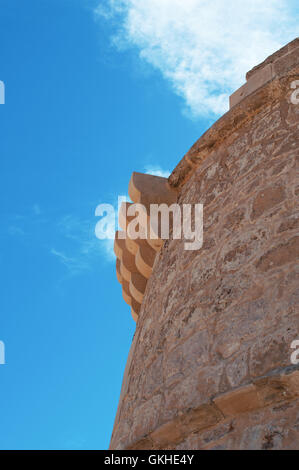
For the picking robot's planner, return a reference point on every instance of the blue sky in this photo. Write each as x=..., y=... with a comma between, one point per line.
x=88, y=100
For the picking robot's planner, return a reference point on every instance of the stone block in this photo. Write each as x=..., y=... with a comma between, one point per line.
x=257, y=80
x=238, y=401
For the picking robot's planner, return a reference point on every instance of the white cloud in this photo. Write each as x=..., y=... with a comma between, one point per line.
x=157, y=171
x=74, y=264
x=108, y=246
x=203, y=48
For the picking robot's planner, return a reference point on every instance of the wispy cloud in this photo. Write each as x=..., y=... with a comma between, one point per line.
x=15, y=230
x=107, y=246
x=83, y=248
x=202, y=48
x=73, y=264
x=70, y=238
x=157, y=171
x=21, y=224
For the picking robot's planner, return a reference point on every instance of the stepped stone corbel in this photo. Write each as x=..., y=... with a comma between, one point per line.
x=136, y=256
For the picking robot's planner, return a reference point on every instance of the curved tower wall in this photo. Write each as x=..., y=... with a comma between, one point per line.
x=210, y=363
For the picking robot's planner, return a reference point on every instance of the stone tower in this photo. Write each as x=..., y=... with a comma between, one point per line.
x=210, y=364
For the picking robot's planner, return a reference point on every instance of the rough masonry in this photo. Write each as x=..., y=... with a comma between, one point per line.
x=209, y=366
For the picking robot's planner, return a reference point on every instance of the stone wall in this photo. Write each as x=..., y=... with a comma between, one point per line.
x=210, y=363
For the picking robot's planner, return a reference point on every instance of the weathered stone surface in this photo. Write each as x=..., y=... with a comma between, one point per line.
x=255, y=81
x=235, y=415
x=211, y=366
x=266, y=199
x=146, y=418
x=272, y=350
x=240, y=401
x=283, y=253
